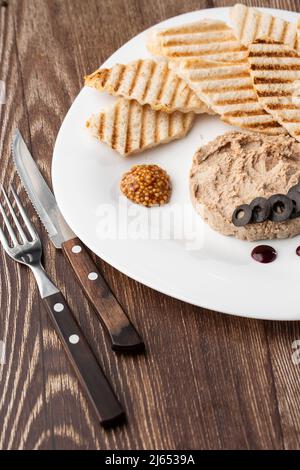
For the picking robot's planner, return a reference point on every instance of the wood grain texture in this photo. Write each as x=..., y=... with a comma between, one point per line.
x=86, y=366
x=123, y=335
x=207, y=380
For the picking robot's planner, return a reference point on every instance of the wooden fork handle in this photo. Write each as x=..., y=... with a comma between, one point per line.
x=123, y=335
x=86, y=366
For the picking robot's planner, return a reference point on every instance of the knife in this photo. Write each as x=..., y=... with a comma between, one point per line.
x=123, y=335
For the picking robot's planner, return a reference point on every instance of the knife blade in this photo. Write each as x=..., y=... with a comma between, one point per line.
x=123, y=335
x=39, y=193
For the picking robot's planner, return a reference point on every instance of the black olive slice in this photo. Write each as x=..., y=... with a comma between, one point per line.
x=295, y=188
x=281, y=208
x=294, y=196
x=260, y=209
x=242, y=215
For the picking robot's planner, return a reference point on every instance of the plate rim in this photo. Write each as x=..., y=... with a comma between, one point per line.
x=120, y=267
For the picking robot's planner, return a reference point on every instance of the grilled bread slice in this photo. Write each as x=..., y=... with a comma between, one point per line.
x=148, y=82
x=228, y=89
x=251, y=24
x=275, y=70
x=129, y=127
x=209, y=39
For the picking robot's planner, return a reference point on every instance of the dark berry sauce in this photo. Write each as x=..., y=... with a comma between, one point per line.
x=298, y=251
x=265, y=254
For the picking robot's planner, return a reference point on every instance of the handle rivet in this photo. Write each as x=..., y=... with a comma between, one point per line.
x=58, y=307
x=74, y=339
x=76, y=249
x=92, y=276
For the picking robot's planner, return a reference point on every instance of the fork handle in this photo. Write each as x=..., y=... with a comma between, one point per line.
x=123, y=335
x=85, y=364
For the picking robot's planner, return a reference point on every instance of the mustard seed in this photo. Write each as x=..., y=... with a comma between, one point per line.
x=152, y=185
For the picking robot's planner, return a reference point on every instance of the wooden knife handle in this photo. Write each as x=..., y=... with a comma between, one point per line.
x=86, y=366
x=123, y=335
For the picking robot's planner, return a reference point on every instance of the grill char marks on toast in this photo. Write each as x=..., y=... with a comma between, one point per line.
x=251, y=25
x=275, y=70
x=129, y=127
x=228, y=89
x=148, y=82
x=209, y=39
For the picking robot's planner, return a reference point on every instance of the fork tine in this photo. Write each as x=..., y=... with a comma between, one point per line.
x=4, y=241
x=13, y=214
x=8, y=226
x=28, y=224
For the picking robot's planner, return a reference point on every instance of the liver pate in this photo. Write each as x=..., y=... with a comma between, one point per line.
x=237, y=167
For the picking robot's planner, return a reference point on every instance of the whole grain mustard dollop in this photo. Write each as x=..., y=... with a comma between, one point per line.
x=148, y=185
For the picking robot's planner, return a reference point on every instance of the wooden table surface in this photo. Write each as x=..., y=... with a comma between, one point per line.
x=208, y=380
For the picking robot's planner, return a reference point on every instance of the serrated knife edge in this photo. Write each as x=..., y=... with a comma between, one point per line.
x=39, y=193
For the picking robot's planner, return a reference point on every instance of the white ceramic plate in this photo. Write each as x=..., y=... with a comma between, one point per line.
x=214, y=271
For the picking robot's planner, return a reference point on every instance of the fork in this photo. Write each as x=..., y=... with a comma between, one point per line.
x=108, y=409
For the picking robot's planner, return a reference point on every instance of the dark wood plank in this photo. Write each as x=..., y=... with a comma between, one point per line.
x=22, y=402
x=208, y=380
x=123, y=335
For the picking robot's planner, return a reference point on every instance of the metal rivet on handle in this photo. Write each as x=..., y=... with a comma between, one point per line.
x=92, y=276
x=58, y=307
x=76, y=249
x=74, y=339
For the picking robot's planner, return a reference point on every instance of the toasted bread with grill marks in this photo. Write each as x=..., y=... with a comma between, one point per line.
x=129, y=127
x=209, y=39
x=275, y=69
x=148, y=82
x=228, y=89
x=251, y=24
